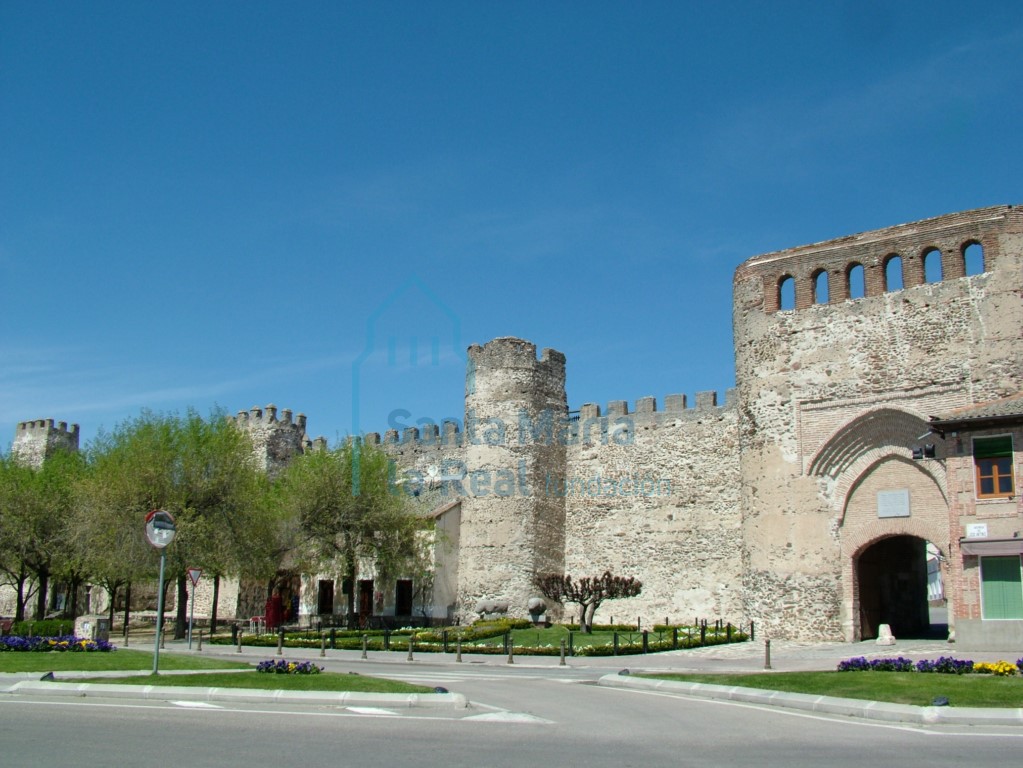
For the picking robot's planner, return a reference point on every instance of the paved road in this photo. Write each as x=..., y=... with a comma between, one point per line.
x=531, y=711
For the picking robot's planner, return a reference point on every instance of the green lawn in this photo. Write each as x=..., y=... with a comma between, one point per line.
x=122, y=659
x=325, y=681
x=897, y=687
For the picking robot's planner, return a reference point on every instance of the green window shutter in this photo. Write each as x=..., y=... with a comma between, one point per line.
x=1001, y=587
x=992, y=447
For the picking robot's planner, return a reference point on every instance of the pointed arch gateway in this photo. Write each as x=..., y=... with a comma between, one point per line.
x=890, y=517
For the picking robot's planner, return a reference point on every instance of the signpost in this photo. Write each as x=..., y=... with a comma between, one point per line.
x=160, y=530
x=193, y=576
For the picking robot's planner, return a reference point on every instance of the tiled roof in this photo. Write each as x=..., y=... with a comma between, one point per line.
x=1006, y=407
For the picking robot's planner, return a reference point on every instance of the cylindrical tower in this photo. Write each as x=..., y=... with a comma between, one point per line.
x=516, y=421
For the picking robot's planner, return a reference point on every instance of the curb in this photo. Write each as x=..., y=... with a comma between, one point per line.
x=238, y=695
x=830, y=705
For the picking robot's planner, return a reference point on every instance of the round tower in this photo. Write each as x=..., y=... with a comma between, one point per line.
x=516, y=417
x=274, y=440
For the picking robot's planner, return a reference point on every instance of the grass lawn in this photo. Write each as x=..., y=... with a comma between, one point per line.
x=897, y=687
x=325, y=681
x=122, y=659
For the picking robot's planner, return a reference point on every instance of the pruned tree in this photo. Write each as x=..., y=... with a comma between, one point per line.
x=588, y=592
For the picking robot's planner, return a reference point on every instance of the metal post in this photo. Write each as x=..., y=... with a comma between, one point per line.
x=674, y=638
x=646, y=641
x=365, y=642
x=239, y=641
x=511, y=648
x=562, y=662
x=411, y=642
x=458, y=648
x=571, y=644
x=280, y=641
x=200, y=639
x=323, y=644
x=333, y=638
x=767, y=654
x=163, y=637
x=615, y=637
x=159, y=615
x=191, y=615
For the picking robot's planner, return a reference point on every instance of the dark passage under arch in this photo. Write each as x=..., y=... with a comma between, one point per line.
x=892, y=576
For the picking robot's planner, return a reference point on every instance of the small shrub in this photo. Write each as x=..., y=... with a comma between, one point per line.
x=285, y=667
x=43, y=628
x=63, y=644
x=860, y=664
x=1000, y=668
x=945, y=665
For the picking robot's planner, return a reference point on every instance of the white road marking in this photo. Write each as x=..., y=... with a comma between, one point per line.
x=196, y=704
x=372, y=711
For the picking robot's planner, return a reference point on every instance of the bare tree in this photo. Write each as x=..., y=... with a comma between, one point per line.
x=589, y=591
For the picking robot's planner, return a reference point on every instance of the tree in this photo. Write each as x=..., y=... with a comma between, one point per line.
x=589, y=592
x=347, y=510
x=36, y=506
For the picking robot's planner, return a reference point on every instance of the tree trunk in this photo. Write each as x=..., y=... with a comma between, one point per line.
x=44, y=587
x=127, y=605
x=19, y=610
x=112, y=590
x=216, y=599
x=73, y=597
x=181, y=621
x=350, y=576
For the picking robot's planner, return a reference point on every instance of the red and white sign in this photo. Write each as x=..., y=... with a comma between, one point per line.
x=194, y=574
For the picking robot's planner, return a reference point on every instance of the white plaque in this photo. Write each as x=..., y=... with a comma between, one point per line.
x=893, y=503
x=976, y=531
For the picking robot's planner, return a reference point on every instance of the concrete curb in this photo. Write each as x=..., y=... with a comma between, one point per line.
x=238, y=695
x=831, y=705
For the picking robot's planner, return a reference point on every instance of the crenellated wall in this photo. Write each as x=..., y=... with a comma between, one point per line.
x=275, y=441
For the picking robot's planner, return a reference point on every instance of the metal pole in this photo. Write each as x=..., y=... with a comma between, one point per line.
x=191, y=615
x=323, y=644
x=200, y=639
x=767, y=654
x=411, y=642
x=365, y=642
x=458, y=648
x=159, y=615
x=562, y=662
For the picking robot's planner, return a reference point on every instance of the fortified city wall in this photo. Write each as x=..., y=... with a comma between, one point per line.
x=828, y=387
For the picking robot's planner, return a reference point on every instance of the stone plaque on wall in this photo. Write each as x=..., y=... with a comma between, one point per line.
x=893, y=503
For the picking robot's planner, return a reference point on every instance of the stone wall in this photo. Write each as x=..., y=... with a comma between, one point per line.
x=35, y=440
x=654, y=494
x=805, y=375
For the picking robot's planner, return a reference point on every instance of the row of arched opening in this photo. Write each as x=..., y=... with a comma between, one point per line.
x=971, y=262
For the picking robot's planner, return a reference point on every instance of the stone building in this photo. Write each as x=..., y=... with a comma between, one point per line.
x=878, y=379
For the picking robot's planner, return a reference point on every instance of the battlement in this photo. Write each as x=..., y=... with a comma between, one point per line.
x=35, y=440
x=861, y=265
x=47, y=428
x=706, y=403
x=511, y=352
x=447, y=434
x=257, y=416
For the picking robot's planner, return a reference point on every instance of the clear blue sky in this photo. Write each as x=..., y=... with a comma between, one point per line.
x=208, y=204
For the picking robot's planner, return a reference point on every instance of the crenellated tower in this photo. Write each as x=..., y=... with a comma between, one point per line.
x=275, y=441
x=35, y=440
x=516, y=415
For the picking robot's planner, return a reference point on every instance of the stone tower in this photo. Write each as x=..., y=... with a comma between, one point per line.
x=274, y=441
x=35, y=440
x=514, y=447
x=887, y=329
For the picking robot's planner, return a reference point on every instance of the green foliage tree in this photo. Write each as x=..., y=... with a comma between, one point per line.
x=589, y=591
x=36, y=506
x=348, y=510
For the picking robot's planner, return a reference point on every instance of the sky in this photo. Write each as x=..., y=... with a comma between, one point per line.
x=216, y=206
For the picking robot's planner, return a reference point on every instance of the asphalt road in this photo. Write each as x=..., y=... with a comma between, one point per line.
x=520, y=715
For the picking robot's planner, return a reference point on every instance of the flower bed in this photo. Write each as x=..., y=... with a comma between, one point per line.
x=285, y=667
x=66, y=643
x=943, y=665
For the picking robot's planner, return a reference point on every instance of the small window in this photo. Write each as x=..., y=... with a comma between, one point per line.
x=973, y=259
x=855, y=281
x=932, y=266
x=787, y=293
x=992, y=456
x=1001, y=588
x=820, y=287
x=893, y=273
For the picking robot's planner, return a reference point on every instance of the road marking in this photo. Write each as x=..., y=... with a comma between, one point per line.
x=372, y=711
x=196, y=705
x=509, y=717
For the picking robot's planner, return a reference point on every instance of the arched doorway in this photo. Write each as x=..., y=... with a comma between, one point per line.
x=892, y=580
